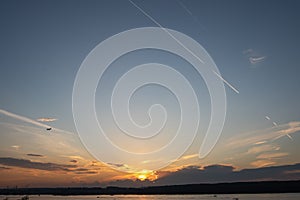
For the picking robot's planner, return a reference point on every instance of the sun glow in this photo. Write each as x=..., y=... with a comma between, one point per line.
x=146, y=175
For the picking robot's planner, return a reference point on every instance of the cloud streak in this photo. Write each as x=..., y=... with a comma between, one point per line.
x=34, y=155
x=46, y=119
x=255, y=60
x=263, y=136
x=15, y=162
x=28, y=164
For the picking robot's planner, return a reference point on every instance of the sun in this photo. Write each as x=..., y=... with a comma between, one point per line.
x=146, y=175
x=142, y=177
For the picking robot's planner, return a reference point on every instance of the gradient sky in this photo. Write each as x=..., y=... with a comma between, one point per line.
x=255, y=45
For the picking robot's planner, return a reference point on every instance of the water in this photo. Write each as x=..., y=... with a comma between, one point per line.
x=288, y=196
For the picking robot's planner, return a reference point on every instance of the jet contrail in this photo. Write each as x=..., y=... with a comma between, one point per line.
x=184, y=7
x=22, y=118
x=31, y=121
x=164, y=29
x=226, y=82
x=182, y=45
x=280, y=136
x=289, y=136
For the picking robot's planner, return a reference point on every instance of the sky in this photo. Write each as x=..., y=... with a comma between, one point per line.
x=253, y=44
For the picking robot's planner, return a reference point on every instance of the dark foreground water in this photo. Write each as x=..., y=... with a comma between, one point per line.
x=289, y=196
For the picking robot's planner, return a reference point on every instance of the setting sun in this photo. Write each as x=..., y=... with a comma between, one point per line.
x=146, y=174
x=142, y=177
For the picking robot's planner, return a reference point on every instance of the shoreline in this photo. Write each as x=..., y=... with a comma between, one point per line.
x=213, y=188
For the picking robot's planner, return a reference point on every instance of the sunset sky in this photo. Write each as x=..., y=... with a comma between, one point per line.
x=254, y=44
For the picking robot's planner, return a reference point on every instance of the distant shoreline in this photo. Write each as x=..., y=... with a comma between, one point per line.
x=214, y=188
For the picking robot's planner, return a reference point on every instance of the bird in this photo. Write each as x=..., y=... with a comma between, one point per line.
x=49, y=129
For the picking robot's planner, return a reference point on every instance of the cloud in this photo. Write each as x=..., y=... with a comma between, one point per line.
x=46, y=119
x=34, y=155
x=28, y=164
x=15, y=162
x=263, y=136
x=3, y=168
x=189, y=156
x=262, y=163
x=262, y=148
x=73, y=161
x=255, y=60
x=117, y=164
x=17, y=147
x=219, y=173
x=271, y=155
x=216, y=174
x=253, y=57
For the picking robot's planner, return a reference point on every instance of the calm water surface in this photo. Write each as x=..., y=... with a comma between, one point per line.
x=293, y=196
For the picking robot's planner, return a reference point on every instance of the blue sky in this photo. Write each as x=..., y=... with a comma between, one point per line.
x=253, y=43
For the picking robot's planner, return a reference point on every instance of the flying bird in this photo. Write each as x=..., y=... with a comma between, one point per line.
x=49, y=129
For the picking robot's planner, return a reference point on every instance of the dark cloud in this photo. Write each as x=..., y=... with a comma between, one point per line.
x=34, y=155
x=15, y=162
x=220, y=173
x=86, y=172
x=2, y=168
x=73, y=161
x=217, y=174
x=116, y=164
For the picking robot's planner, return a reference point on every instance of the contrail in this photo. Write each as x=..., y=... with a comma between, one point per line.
x=231, y=86
x=289, y=136
x=31, y=121
x=182, y=45
x=280, y=136
x=164, y=29
x=22, y=118
x=185, y=8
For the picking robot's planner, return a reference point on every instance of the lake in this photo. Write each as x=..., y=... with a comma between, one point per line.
x=287, y=196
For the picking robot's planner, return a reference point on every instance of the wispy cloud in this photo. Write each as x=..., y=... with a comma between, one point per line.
x=2, y=168
x=15, y=162
x=28, y=164
x=262, y=148
x=271, y=155
x=35, y=155
x=16, y=147
x=262, y=163
x=46, y=119
x=263, y=136
x=190, y=156
x=255, y=60
x=253, y=57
